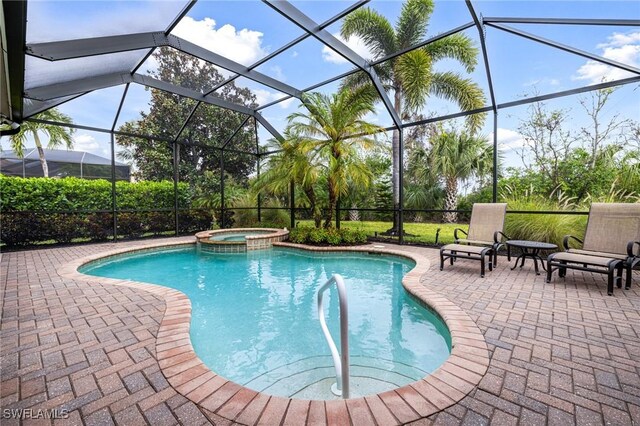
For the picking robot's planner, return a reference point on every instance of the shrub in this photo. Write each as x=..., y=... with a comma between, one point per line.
x=299, y=235
x=331, y=236
x=542, y=227
x=317, y=236
x=334, y=237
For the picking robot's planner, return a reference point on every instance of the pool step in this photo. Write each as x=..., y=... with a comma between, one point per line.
x=311, y=378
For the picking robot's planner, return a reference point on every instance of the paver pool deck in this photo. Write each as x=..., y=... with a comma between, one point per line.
x=560, y=353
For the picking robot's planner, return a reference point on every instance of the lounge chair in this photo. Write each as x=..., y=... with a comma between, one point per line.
x=483, y=240
x=611, y=244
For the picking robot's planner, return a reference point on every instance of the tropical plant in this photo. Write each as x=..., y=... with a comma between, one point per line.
x=334, y=127
x=293, y=162
x=411, y=76
x=57, y=135
x=455, y=157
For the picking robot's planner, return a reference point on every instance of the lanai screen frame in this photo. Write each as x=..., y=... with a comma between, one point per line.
x=16, y=12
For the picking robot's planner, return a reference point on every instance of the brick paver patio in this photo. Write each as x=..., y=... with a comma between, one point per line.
x=561, y=353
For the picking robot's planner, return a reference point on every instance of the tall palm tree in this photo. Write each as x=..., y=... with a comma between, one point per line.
x=456, y=157
x=293, y=163
x=411, y=77
x=334, y=127
x=57, y=135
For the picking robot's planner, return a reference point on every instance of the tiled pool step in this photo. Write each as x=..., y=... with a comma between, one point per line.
x=311, y=378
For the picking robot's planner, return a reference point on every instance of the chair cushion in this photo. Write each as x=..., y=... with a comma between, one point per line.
x=463, y=248
x=582, y=258
x=599, y=254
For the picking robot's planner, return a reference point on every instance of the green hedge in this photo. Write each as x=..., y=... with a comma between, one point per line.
x=73, y=194
x=35, y=210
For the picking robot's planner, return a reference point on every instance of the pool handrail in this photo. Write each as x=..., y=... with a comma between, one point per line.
x=341, y=362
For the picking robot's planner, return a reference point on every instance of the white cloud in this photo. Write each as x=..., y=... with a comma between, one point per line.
x=545, y=81
x=276, y=72
x=294, y=54
x=508, y=139
x=85, y=142
x=355, y=43
x=265, y=96
x=619, y=47
x=243, y=46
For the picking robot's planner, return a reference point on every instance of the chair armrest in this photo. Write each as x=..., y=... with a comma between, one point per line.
x=495, y=236
x=630, y=248
x=455, y=233
x=565, y=241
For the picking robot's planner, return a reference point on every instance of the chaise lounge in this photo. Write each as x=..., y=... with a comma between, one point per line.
x=611, y=244
x=483, y=240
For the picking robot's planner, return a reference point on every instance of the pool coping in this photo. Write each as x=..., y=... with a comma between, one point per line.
x=189, y=376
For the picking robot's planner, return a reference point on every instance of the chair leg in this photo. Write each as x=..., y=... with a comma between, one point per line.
x=441, y=259
x=629, y=276
x=549, y=268
x=610, y=279
x=451, y=258
x=562, y=272
x=619, y=276
x=482, y=265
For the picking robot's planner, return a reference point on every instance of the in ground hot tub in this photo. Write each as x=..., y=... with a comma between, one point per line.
x=239, y=240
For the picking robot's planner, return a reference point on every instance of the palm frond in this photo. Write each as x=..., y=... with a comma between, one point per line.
x=465, y=92
x=456, y=46
x=412, y=22
x=414, y=72
x=373, y=28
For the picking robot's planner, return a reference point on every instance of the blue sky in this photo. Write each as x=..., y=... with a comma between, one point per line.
x=248, y=30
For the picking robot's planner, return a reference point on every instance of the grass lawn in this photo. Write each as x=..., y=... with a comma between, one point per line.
x=417, y=232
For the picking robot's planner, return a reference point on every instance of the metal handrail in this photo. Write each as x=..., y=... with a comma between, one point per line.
x=341, y=362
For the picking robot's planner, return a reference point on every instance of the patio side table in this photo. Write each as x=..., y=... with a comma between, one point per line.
x=530, y=249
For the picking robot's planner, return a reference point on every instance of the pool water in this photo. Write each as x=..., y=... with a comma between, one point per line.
x=254, y=316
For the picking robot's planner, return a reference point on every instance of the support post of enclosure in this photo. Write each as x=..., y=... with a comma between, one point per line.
x=222, y=221
x=338, y=213
x=255, y=130
x=495, y=158
x=259, y=196
x=292, y=204
x=113, y=188
x=176, y=160
x=401, y=186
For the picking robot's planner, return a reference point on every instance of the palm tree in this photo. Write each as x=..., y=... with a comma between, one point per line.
x=57, y=135
x=334, y=128
x=411, y=77
x=292, y=163
x=455, y=157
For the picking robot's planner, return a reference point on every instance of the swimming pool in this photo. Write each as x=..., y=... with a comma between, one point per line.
x=254, y=318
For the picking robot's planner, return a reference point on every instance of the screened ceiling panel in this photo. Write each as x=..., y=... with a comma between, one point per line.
x=40, y=72
x=135, y=104
x=447, y=14
x=95, y=109
x=305, y=64
x=65, y=20
x=263, y=94
x=34, y=106
x=200, y=129
x=239, y=30
x=526, y=70
x=321, y=11
x=617, y=43
x=614, y=9
x=203, y=84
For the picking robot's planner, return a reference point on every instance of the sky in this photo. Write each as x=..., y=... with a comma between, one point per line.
x=246, y=31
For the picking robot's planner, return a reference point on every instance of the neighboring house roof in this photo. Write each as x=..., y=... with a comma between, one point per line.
x=60, y=156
